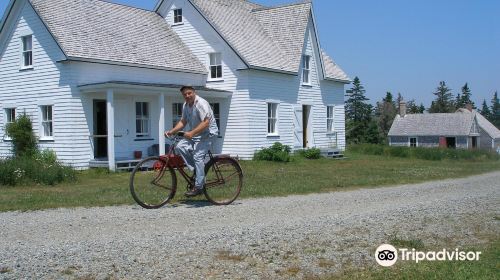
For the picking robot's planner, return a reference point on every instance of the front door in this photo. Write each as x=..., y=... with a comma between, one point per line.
x=305, y=120
x=100, y=129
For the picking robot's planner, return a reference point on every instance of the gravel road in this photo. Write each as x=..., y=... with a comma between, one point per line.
x=270, y=238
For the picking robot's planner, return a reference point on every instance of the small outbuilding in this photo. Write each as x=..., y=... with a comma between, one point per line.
x=465, y=129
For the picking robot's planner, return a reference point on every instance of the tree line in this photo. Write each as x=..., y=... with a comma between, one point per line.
x=366, y=123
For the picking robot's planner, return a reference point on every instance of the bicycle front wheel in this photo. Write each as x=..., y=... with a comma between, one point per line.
x=153, y=183
x=224, y=180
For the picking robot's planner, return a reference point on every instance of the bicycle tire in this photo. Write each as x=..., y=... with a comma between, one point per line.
x=152, y=183
x=229, y=188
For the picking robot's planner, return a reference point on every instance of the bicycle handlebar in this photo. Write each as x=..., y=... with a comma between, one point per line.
x=179, y=134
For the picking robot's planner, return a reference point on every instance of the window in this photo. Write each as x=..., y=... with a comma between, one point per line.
x=142, y=119
x=178, y=16
x=10, y=117
x=27, y=51
x=216, y=110
x=47, y=127
x=306, y=69
x=215, y=66
x=413, y=141
x=176, y=113
x=329, y=118
x=272, y=118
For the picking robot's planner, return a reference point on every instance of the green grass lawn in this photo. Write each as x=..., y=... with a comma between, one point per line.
x=486, y=268
x=301, y=176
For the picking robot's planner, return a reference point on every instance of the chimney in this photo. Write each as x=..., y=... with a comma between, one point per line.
x=402, y=108
x=468, y=106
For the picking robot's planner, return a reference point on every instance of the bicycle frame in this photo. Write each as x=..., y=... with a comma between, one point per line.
x=177, y=159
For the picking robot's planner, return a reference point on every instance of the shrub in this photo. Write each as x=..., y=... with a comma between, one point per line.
x=42, y=168
x=22, y=135
x=424, y=153
x=312, y=153
x=277, y=152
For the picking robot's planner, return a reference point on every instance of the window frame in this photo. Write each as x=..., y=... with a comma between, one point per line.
x=410, y=144
x=215, y=106
x=6, y=120
x=43, y=121
x=306, y=70
x=25, y=51
x=330, y=128
x=216, y=66
x=143, y=118
x=272, y=121
x=178, y=16
x=176, y=117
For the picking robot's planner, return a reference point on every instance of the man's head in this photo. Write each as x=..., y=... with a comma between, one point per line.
x=189, y=94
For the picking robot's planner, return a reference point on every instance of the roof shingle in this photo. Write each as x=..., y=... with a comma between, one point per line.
x=98, y=30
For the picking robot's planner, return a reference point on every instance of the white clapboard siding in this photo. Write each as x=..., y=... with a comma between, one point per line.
x=57, y=83
x=202, y=39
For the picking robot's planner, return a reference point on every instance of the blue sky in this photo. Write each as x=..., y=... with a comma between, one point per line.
x=406, y=46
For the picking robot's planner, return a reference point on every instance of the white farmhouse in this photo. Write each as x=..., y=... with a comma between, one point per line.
x=101, y=80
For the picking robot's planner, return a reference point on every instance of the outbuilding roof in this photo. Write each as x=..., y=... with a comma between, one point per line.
x=440, y=124
x=107, y=32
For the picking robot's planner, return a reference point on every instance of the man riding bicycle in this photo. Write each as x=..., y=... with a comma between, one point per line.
x=199, y=122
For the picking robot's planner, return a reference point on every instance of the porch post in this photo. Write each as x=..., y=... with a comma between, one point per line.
x=111, y=129
x=161, y=124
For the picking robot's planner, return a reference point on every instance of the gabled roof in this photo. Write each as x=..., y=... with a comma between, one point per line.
x=487, y=126
x=332, y=70
x=104, y=32
x=441, y=124
x=265, y=37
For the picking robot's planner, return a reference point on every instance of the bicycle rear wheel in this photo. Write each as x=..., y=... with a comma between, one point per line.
x=152, y=183
x=224, y=179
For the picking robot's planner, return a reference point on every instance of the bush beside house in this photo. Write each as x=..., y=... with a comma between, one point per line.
x=29, y=164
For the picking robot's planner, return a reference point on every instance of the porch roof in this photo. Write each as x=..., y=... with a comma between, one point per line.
x=135, y=87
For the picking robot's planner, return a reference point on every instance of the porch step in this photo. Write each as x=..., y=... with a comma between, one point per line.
x=128, y=164
x=332, y=153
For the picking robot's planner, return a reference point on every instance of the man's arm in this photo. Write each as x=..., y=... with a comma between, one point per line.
x=199, y=129
x=180, y=125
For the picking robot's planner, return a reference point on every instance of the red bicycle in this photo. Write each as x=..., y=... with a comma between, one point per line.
x=153, y=181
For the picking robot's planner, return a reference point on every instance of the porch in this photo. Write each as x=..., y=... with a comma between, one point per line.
x=130, y=117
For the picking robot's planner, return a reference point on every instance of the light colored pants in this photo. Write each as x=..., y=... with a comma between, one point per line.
x=193, y=152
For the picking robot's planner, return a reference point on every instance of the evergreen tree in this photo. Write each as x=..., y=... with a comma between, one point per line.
x=495, y=110
x=485, y=111
x=464, y=98
x=458, y=102
x=421, y=108
x=443, y=102
x=358, y=114
x=413, y=108
x=385, y=113
x=356, y=107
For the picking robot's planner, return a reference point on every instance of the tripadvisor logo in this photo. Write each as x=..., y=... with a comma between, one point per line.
x=387, y=255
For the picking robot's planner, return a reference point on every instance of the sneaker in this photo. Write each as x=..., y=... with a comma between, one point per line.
x=194, y=192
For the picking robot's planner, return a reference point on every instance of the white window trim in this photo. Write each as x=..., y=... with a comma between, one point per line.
x=276, y=126
x=308, y=83
x=142, y=135
x=21, y=51
x=174, y=116
x=210, y=79
x=173, y=15
x=416, y=141
x=329, y=132
x=40, y=115
x=219, y=124
x=5, y=108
